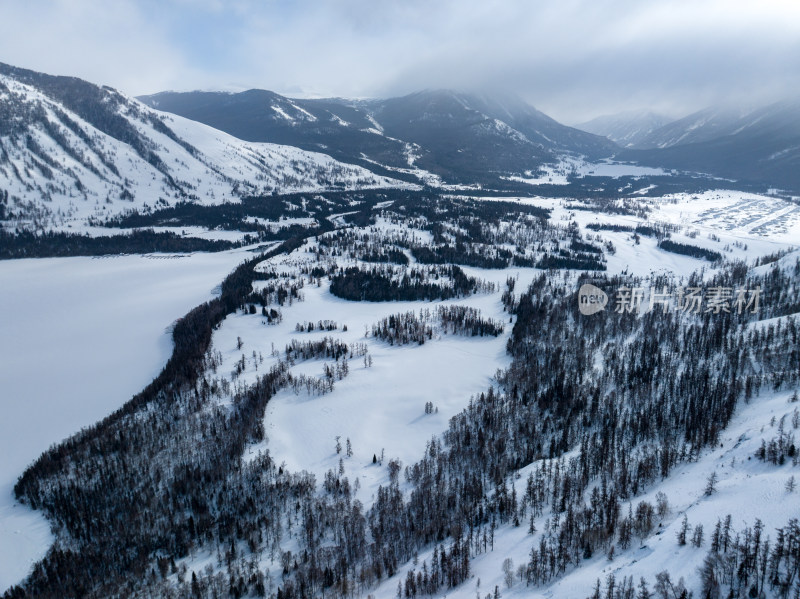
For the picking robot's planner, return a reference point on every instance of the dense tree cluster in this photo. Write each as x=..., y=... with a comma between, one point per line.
x=659, y=231
x=781, y=446
x=246, y=214
x=327, y=347
x=447, y=571
x=689, y=250
x=368, y=245
x=280, y=291
x=403, y=329
x=745, y=563
x=320, y=325
x=739, y=564
x=480, y=256
x=27, y=244
x=386, y=284
x=570, y=260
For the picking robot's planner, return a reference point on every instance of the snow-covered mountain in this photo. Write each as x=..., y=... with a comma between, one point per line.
x=329, y=126
x=760, y=146
x=462, y=134
x=628, y=129
x=71, y=149
x=704, y=125
x=458, y=137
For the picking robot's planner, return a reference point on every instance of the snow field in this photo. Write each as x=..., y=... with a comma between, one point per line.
x=646, y=258
x=81, y=336
x=379, y=408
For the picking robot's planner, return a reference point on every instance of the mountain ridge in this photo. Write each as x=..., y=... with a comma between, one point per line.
x=69, y=148
x=758, y=145
x=457, y=136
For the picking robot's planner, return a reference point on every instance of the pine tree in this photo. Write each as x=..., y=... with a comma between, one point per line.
x=716, y=538
x=643, y=593
x=683, y=531
x=708, y=577
x=697, y=536
x=711, y=484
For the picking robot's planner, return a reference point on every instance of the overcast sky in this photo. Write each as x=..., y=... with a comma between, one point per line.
x=573, y=59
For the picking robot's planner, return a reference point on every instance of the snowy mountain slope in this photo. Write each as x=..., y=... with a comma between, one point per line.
x=331, y=126
x=467, y=136
x=704, y=125
x=69, y=149
x=761, y=145
x=745, y=488
x=461, y=138
x=488, y=139
x=628, y=129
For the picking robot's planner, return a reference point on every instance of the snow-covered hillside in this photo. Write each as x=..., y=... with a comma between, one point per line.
x=747, y=489
x=79, y=151
x=704, y=125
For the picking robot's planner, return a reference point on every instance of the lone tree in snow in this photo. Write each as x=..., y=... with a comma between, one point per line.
x=508, y=572
x=711, y=484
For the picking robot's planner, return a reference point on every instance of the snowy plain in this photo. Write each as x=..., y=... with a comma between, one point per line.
x=80, y=337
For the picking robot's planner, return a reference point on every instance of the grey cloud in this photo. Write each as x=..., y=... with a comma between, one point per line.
x=573, y=59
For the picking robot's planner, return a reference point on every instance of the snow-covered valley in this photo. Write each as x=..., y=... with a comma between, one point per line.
x=386, y=389
x=98, y=329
